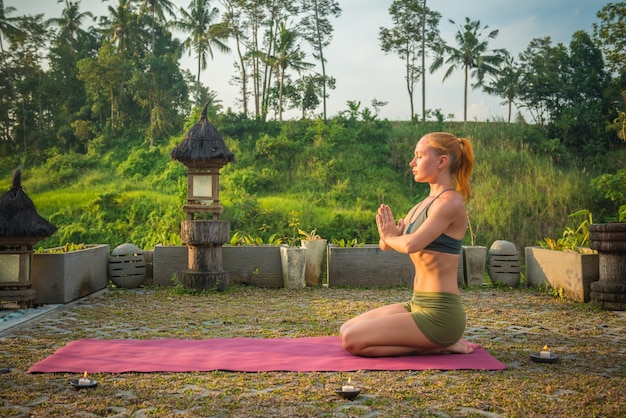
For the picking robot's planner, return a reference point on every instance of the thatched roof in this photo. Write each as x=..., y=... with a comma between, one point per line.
x=18, y=216
x=202, y=143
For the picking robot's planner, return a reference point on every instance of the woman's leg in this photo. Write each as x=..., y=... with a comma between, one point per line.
x=374, y=313
x=382, y=332
x=390, y=331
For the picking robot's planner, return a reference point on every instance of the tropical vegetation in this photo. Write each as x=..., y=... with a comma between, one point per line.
x=93, y=115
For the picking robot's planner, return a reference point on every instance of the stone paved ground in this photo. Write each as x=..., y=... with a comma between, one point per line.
x=589, y=379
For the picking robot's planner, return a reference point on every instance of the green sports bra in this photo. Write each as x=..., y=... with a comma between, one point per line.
x=443, y=243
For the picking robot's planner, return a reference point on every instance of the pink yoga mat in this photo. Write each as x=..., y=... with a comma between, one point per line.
x=243, y=355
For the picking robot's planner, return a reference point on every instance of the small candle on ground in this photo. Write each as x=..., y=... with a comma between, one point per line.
x=544, y=353
x=84, y=380
x=348, y=387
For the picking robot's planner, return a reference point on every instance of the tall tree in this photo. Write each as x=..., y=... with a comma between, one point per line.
x=610, y=34
x=472, y=55
x=28, y=109
x=255, y=26
x=543, y=77
x=127, y=44
x=70, y=43
x=275, y=13
x=580, y=119
x=118, y=27
x=8, y=25
x=506, y=83
x=9, y=30
x=415, y=31
x=204, y=34
x=287, y=55
x=71, y=22
x=159, y=10
x=317, y=30
x=239, y=30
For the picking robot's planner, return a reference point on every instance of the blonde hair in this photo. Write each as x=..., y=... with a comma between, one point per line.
x=461, y=154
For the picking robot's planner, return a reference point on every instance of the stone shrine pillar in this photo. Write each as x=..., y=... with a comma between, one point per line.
x=204, y=152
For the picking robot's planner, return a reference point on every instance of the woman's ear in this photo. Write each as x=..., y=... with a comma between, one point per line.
x=443, y=160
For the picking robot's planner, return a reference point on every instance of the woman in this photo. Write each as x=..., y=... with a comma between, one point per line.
x=434, y=320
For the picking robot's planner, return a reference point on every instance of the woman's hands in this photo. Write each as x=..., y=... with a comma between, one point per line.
x=386, y=224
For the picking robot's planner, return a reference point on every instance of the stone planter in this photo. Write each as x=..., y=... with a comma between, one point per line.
x=64, y=277
x=254, y=265
x=293, y=261
x=571, y=271
x=474, y=259
x=609, y=239
x=368, y=266
x=248, y=264
x=315, y=252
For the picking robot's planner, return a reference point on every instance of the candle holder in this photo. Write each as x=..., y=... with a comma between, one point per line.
x=348, y=393
x=539, y=358
x=83, y=383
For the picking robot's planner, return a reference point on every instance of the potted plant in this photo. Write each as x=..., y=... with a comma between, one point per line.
x=566, y=263
x=473, y=258
x=64, y=274
x=293, y=258
x=315, y=247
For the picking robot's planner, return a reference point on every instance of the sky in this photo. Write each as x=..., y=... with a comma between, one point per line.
x=364, y=73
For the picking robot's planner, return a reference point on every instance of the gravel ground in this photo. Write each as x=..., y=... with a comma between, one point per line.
x=588, y=380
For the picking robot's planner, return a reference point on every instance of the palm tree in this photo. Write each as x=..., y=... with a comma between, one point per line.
x=119, y=25
x=70, y=23
x=507, y=83
x=287, y=54
x=471, y=54
x=7, y=27
x=158, y=10
x=203, y=34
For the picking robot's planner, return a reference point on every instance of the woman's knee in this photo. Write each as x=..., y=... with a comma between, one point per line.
x=350, y=341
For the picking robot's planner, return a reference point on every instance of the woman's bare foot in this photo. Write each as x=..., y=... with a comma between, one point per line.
x=459, y=347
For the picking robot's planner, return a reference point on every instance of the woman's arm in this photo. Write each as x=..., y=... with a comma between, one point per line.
x=441, y=215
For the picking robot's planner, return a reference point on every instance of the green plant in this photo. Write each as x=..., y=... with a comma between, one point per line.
x=347, y=243
x=622, y=213
x=241, y=239
x=309, y=236
x=68, y=247
x=294, y=223
x=556, y=292
x=572, y=239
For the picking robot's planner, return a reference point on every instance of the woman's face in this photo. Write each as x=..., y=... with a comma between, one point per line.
x=424, y=163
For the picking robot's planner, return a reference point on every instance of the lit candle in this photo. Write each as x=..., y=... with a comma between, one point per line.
x=348, y=387
x=544, y=353
x=84, y=381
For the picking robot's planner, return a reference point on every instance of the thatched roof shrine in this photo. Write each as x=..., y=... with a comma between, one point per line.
x=18, y=216
x=202, y=143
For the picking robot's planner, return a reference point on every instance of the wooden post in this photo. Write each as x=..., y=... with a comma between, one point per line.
x=204, y=239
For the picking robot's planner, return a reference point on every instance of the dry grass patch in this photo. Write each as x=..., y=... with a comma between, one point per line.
x=588, y=380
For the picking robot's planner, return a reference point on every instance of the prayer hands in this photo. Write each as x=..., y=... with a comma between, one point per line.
x=387, y=226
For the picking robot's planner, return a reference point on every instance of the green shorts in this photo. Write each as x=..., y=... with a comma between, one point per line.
x=440, y=316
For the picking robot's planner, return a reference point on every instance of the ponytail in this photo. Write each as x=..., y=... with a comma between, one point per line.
x=465, y=165
x=461, y=153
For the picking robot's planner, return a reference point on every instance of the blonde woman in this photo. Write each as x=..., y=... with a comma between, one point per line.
x=433, y=321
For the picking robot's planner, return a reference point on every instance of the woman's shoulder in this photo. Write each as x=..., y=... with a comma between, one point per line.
x=449, y=203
